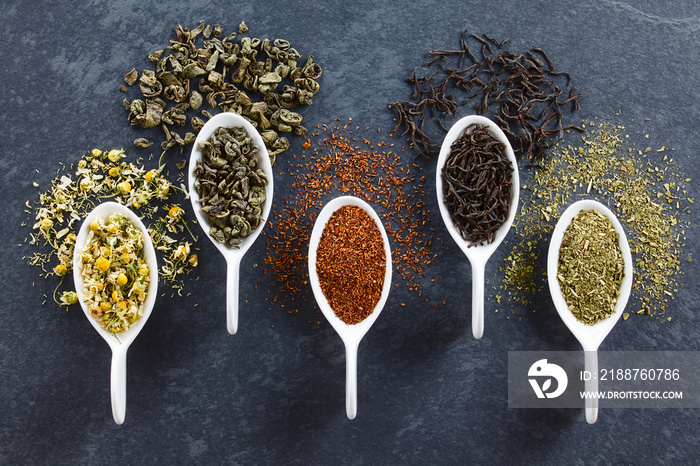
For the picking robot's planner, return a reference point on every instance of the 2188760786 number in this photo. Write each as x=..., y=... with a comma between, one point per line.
x=639, y=374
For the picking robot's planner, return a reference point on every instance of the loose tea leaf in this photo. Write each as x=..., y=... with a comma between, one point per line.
x=230, y=184
x=477, y=184
x=73, y=194
x=142, y=143
x=524, y=93
x=336, y=161
x=351, y=263
x=131, y=77
x=257, y=79
x=590, y=268
x=644, y=187
x=115, y=285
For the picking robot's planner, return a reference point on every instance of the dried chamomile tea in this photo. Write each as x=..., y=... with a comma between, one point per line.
x=115, y=272
x=74, y=193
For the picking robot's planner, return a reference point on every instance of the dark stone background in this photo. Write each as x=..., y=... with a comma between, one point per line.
x=274, y=393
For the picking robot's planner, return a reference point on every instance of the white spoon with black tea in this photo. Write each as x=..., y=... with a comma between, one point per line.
x=351, y=334
x=119, y=342
x=478, y=254
x=590, y=336
x=233, y=256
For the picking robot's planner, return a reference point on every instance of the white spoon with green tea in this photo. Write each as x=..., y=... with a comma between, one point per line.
x=590, y=336
x=351, y=334
x=118, y=342
x=478, y=254
x=233, y=256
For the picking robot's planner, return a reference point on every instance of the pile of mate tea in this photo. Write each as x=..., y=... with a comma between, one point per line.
x=648, y=189
x=591, y=267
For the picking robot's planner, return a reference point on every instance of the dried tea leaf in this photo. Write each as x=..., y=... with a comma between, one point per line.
x=229, y=184
x=220, y=64
x=131, y=77
x=195, y=100
x=590, y=268
x=142, y=143
x=631, y=183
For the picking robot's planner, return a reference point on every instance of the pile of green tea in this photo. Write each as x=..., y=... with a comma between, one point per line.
x=645, y=189
x=98, y=176
x=203, y=69
x=230, y=184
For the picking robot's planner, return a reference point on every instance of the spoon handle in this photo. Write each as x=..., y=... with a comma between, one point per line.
x=351, y=379
x=478, y=269
x=232, y=276
x=118, y=385
x=591, y=386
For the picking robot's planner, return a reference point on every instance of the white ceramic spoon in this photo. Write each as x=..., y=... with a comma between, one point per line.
x=233, y=256
x=590, y=336
x=477, y=254
x=350, y=334
x=121, y=342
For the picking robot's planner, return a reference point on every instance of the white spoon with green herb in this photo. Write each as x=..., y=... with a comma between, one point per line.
x=478, y=254
x=350, y=334
x=233, y=256
x=118, y=342
x=590, y=336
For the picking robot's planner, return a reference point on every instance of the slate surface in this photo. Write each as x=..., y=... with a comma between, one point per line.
x=274, y=392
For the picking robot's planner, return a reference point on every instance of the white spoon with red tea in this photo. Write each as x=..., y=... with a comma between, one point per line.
x=351, y=334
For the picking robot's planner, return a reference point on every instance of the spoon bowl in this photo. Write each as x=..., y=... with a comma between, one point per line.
x=590, y=336
x=233, y=256
x=350, y=334
x=477, y=254
x=120, y=343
